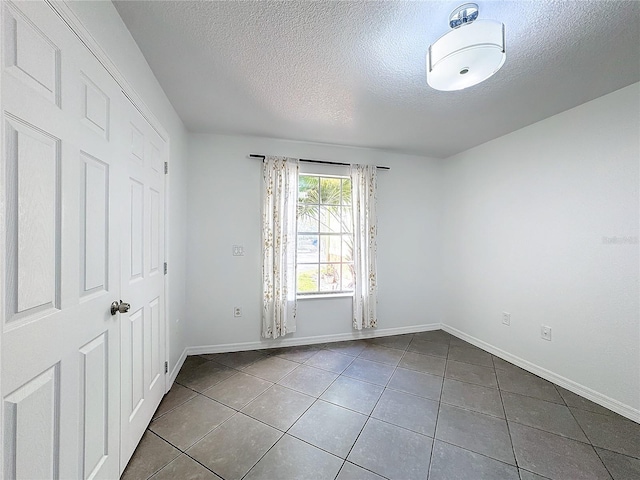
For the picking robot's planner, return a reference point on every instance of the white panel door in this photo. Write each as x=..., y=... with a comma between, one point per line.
x=59, y=252
x=142, y=283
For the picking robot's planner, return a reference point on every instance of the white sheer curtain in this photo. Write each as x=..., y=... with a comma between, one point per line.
x=363, y=201
x=279, y=204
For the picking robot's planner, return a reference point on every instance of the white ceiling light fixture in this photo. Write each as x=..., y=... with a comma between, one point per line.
x=469, y=54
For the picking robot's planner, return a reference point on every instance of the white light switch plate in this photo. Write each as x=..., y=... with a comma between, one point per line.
x=545, y=332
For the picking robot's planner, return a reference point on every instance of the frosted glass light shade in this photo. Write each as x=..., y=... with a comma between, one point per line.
x=466, y=55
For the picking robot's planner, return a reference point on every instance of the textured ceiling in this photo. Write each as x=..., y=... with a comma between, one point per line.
x=353, y=72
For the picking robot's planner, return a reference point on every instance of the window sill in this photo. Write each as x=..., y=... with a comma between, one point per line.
x=319, y=296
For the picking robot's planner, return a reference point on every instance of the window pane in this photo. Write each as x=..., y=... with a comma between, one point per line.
x=307, y=248
x=330, y=219
x=330, y=277
x=347, y=220
x=307, y=278
x=330, y=191
x=308, y=189
x=347, y=276
x=346, y=191
x=347, y=248
x=330, y=248
x=308, y=218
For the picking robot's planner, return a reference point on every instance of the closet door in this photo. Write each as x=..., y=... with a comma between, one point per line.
x=142, y=280
x=60, y=175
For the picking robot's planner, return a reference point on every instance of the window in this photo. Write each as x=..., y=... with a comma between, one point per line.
x=325, y=238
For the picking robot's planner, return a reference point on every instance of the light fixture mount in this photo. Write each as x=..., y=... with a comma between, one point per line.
x=466, y=13
x=469, y=54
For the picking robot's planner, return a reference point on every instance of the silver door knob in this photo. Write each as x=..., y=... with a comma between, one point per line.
x=119, y=307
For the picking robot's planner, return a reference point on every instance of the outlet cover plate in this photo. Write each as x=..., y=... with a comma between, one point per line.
x=506, y=318
x=237, y=311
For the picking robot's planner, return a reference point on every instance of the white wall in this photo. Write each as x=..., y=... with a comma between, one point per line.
x=524, y=221
x=225, y=209
x=106, y=27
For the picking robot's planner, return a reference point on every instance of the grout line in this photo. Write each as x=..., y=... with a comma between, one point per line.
x=435, y=427
x=506, y=420
x=582, y=430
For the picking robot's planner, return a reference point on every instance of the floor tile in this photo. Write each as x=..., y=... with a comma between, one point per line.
x=185, y=468
x=500, y=364
x=329, y=427
x=349, y=471
x=525, y=383
x=621, y=467
x=417, y=383
x=372, y=372
x=353, y=394
x=458, y=342
x=352, y=347
x=472, y=397
x=309, y=380
x=376, y=353
x=401, y=342
x=150, y=456
x=451, y=462
x=238, y=390
x=391, y=451
x=176, y=396
x=437, y=336
x=299, y=354
x=232, y=449
x=547, y=416
x=408, y=411
x=330, y=361
x=526, y=475
x=279, y=407
x=476, y=432
x=554, y=456
x=191, y=362
x=428, y=348
x=573, y=400
x=465, y=372
x=237, y=360
x=611, y=432
x=205, y=376
x=293, y=459
x=423, y=363
x=188, y=423
x=472, y=355
x=271, y=369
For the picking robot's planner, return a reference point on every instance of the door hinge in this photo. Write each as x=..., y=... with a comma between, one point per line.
x=166, y=167
x=166, y=367
x=165, y=268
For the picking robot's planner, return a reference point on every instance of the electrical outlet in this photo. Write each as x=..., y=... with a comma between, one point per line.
x=237, y=311
x=506, y=318
x=238, y=251
x=545, y=332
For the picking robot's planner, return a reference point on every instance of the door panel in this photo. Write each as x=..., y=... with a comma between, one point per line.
x=33, y=214
x=31, y=428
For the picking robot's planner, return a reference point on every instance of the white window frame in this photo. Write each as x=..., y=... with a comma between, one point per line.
x=324, y=173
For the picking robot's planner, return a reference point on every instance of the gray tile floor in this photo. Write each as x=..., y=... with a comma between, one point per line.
x=418, y=406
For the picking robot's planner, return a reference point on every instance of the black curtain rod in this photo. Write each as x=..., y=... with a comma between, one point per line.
x=324, y=162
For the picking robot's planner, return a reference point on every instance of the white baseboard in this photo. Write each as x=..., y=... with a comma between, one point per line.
x=586, y=392
x=290, y=342
x=176, y=368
